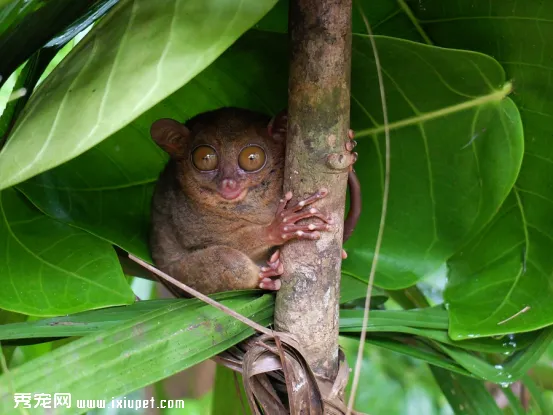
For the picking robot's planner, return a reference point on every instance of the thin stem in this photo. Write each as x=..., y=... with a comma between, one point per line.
x=407, y=10
x=357, y=371
x=204, y=298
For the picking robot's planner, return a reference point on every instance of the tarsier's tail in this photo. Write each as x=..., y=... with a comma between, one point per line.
x=354, y=204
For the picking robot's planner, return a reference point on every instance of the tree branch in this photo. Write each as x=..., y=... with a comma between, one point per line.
x=318, y=121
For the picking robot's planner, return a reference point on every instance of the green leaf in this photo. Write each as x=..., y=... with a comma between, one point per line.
x=94, y=321
x=522, y=361
x=479, y=367
x=418, y=350
x=136, y=56
x=137, y=353
x=430, y=318
x=456, y=147
x=465, y=395
x=352, y=288
x=512, y=369
x=27, y=25
x=432, y=323
x=96, y=10
x=49, y=268
x=27, y=79
x=429, y=343
x=507, y=269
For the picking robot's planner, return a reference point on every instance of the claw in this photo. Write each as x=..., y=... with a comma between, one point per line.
x=275, y=268
x=350, y=145
x=311, y=199
x=274, y=257
x=269, y=284
x=285, y=226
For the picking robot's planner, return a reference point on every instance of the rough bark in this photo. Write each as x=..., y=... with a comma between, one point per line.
x=318, y=121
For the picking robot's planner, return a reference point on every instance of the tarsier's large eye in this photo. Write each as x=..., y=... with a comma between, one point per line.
x=251, y=158
x=205, y=158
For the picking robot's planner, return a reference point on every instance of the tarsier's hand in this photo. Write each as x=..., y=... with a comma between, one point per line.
x=275, y=269
x=285, y=227
x=350, y=145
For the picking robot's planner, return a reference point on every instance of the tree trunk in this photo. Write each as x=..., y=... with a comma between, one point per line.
x=318, y=121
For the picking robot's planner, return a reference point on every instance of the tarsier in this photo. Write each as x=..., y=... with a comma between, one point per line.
x=218, y=213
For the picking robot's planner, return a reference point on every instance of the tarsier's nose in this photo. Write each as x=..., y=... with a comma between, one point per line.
x=229, y=184
x=229, y=189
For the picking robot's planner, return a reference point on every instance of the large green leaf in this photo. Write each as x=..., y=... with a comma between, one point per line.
x=94, y=321
x=141, y=52
x=456, y=147
x=429, y=156
x=501, y=281
x=148, y=348
x=49, y=268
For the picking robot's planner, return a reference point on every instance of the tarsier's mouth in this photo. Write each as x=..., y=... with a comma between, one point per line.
x=232, y=194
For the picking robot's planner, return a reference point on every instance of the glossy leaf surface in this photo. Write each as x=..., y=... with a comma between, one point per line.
x=49, y=268
x=26, y=81
x=501, y=281
x=94, y=321
x=456, y=146
x=142, y=351
x=27, y=25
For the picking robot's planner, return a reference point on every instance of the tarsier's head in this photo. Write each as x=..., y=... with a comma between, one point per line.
x=223, y=155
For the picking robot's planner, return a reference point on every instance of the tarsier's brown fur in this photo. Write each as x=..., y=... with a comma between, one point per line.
x=202, y=239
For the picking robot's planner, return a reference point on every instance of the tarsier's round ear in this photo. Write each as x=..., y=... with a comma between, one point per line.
x=278, y=125
x=170, y=135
